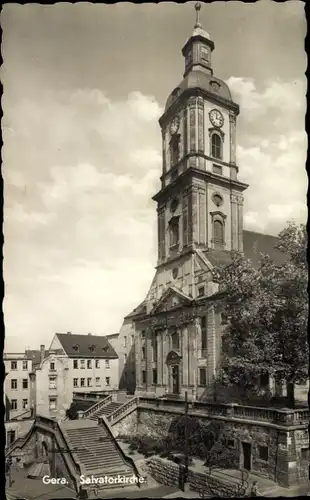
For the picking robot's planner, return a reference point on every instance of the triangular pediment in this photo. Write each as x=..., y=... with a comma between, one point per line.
x=171, y=299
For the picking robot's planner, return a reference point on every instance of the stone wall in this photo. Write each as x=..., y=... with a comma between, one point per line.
x=285, y=462
x=127, y=426
x=21, y=427
x=169, y=473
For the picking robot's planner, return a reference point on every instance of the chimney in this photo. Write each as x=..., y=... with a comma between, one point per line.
x=42, y=352
x=89, y=334
x=68, y=333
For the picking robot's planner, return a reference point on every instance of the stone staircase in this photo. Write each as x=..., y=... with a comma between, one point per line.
x=105, y=410
x=97, y=452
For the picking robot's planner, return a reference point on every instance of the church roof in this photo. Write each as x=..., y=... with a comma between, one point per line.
x=140, y=309
x=253, y=245
x=86, y=346
x=200, y=80
x=256, y=243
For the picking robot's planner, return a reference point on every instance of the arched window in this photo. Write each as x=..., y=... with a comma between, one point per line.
x=174, y=231
x=218, y=231
x=216, y=146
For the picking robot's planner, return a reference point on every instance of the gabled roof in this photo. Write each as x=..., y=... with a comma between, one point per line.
x=86, y=346
x=171, y=298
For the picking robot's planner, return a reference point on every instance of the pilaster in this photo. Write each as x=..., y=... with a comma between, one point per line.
x=211, y=344
x=240, y=223
x=232, y=134
x=234, y=222
x=185, y=352
x=138, y=360
x=165, y=352
x=149, y=358
x=159, y=357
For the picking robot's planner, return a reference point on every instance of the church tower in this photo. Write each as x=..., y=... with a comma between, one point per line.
x=200, y=204
x=177, y=328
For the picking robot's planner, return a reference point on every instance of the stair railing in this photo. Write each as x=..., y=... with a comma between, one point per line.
x=132, y=403
x=101, y=404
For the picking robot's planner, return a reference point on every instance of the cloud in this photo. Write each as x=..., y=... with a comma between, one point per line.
x=86, y=229
x=80, y=225
x=271, y=151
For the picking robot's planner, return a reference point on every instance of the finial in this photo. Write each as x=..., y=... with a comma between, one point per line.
x=197, y=9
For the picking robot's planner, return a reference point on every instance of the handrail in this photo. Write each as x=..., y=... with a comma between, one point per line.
x=103, y=421
x=101, y=404
x=118, y=411
x=234, y=410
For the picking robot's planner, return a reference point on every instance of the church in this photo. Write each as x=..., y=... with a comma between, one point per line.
x=177, y=329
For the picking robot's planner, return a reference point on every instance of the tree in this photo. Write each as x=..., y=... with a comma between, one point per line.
x=215, y=446
x=267, y=311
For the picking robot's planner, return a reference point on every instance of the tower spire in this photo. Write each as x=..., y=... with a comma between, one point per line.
x=197, y=9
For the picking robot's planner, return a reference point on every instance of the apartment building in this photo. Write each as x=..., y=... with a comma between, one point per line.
x=19, y=383
x=124, y=345
x=76, y=363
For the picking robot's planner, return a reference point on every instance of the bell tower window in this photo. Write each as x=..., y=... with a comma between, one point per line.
x=174, y=231
x=218, y=230
x=174, y=149
x=216, y=146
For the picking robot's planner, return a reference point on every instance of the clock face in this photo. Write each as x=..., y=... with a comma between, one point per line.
x=216, y=118
x=174, y=127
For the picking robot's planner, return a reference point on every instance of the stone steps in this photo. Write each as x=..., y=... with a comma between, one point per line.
x=106, y=410
x=97, y=451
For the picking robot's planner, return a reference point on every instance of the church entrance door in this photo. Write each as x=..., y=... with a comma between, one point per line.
x=175, y=379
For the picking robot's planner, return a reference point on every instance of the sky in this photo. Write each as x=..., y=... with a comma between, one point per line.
x=84, y=86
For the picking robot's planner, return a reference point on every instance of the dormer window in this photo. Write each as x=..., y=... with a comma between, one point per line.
x=92, y=348
x=76, y=347
x=105, y=348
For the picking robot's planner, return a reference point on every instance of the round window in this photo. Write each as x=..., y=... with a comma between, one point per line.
x=175, y=273
x=217, y=199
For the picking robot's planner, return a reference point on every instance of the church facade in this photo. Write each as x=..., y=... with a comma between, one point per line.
x=178, y=327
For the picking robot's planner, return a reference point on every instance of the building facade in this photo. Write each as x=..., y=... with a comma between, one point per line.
x=178, y=327
x=75, y=364
x=19, y=383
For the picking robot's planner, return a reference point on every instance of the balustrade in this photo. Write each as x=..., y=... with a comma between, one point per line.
x=278, y=416
x=122, y=409
x=101, y=404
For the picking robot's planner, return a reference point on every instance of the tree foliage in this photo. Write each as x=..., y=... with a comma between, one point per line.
x=267, y=311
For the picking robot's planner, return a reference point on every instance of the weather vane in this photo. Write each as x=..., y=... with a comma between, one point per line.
x=197, y=9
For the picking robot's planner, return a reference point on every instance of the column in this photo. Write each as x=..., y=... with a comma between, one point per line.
x=234, y=222
x=211, y=344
